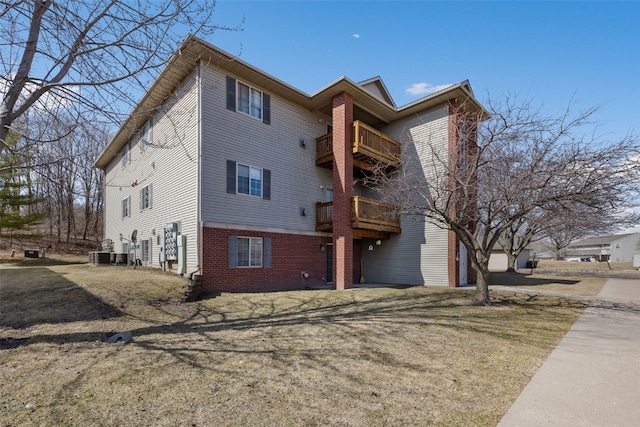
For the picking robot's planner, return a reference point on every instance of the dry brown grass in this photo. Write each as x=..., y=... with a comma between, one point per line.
x=369, y=357
x=584, y=266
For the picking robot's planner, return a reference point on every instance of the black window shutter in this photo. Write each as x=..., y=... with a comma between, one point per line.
x=266, y=252
x=231, y=93
x=266, y=184
x=233, y=251
x=266, y=107
x=231, y=177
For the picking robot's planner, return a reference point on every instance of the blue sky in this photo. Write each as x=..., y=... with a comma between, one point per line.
x=552, y=52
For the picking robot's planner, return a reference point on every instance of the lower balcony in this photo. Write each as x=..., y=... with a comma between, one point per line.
x=369, y=218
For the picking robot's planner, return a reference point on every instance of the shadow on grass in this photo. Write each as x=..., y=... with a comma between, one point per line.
x=31, y=296
x=520, y=279
x=41, y=262
x=341, y=313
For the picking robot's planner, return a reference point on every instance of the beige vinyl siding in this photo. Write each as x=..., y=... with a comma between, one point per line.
x=374, y=90
x=170, y=165
x=419, y=254
x=629, y=245
x=230, y=135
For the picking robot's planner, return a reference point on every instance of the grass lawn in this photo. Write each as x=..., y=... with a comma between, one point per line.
x=367, y=357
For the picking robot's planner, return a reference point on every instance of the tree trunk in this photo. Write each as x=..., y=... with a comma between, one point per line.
x=511, y=263
x=482, y=285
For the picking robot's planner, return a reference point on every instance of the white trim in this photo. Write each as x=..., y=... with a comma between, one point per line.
x=262, y=229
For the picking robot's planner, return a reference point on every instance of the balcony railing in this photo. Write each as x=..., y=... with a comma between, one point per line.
x=366, y=214
x=369, y=145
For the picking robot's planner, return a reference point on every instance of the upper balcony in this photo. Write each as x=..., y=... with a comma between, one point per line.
x=369, y=146
x=369, y=218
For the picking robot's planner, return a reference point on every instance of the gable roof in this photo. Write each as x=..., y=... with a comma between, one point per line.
x=376, y=85
x=194, y=50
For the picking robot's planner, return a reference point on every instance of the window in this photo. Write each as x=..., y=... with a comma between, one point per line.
x=243, y=179
x=145, y=248
x=126, y=155
x=249, y=180
x=145, y=134
x=249, y=100
x=145, y=197
x=249, y=252
x=617, y=245
x=126, y=207
x=328, y=196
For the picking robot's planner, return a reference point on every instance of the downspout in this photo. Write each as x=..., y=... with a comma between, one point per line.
x=199, y=172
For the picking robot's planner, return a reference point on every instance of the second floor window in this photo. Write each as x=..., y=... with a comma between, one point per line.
x=126, y=207
x=249, y=180
x=145, y=197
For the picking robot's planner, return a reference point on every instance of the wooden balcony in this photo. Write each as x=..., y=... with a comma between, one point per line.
x=369, y=146
x=369, y=218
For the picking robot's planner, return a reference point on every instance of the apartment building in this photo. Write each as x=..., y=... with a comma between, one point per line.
x=227, y=172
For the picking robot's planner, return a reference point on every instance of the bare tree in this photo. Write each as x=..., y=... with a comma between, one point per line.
x=87, y=56
x=517, y=237
x=505, y=167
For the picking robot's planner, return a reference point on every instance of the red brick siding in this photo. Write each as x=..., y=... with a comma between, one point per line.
x=454, y=242
x=342, y=190
x=290, y=255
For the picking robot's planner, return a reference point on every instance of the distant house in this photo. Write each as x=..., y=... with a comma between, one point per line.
x=498, y=259
x=228, y=172
x=613, y=248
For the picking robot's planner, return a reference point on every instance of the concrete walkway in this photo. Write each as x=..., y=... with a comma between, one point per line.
x=592, y=378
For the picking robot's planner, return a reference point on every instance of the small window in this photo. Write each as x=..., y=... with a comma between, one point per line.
x=617, y=245
x=145, y=134
x=126, y=207
x=249, y=180
x=328, y=196
x=126, y=155
x=249, y=100
x=249, y=252
x=145, y=197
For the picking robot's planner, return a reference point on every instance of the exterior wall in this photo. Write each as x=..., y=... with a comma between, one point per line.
x=374, y=90
x=169, y=164
x=418, y=255
x=627, y=247
x=295, y=180
x=498, y=260
x=291, y=254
